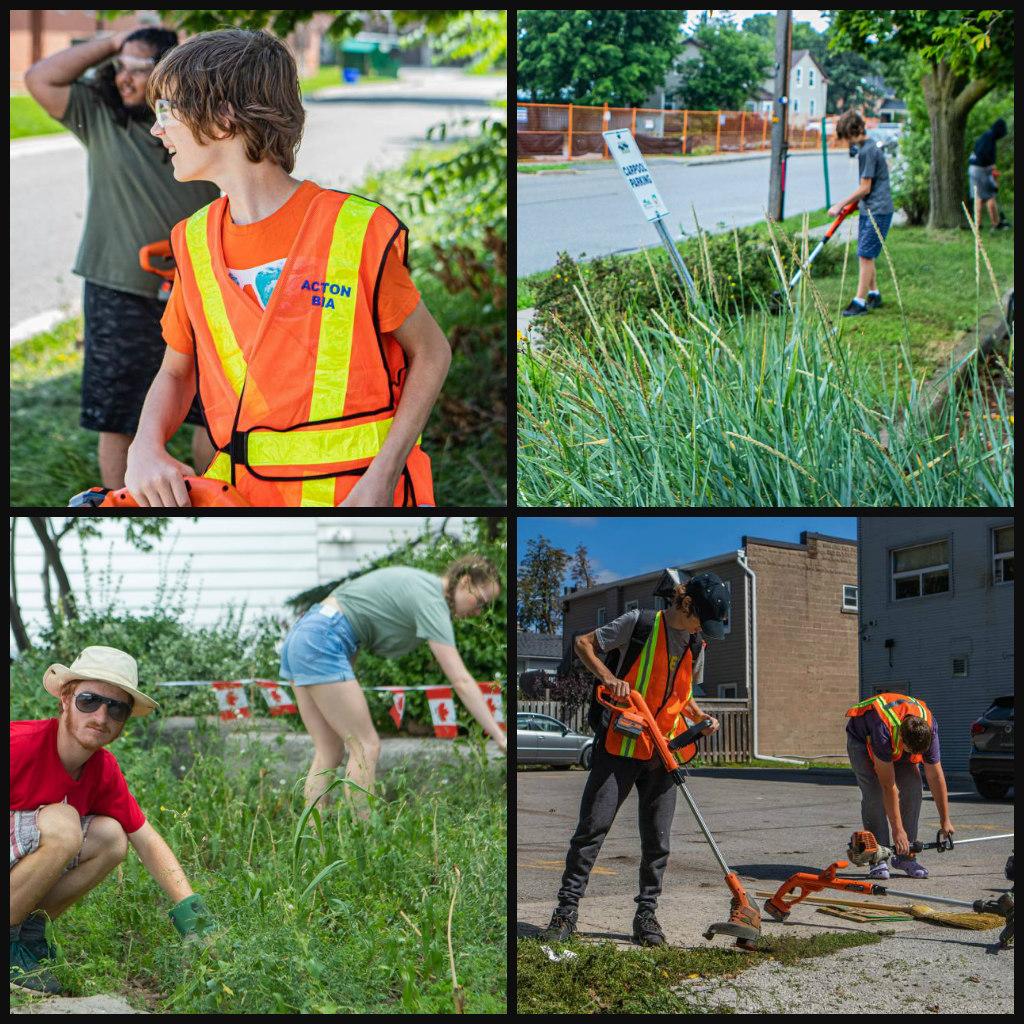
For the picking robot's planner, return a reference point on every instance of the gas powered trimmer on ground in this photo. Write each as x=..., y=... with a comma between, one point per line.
x=633, y=719
x=775, y=303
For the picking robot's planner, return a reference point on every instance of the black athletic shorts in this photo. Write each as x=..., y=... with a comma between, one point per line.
x=124, y=348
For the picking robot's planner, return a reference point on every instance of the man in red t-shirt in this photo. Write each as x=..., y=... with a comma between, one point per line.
x=72, y=815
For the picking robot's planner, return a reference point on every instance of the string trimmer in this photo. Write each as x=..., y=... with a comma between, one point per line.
x=635, y=718
x=202, y=492
x=864, y=848
x=775, y=302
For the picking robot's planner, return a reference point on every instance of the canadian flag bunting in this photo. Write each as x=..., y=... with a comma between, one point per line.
x=442, y=712
x=231, y=700
x=492, y=695
x=397, y=708
x=277, y=698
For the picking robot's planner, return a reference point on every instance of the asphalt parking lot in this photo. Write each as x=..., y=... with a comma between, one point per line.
x=770, y=824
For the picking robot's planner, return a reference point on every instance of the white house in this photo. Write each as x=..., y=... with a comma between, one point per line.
x=808, y=91
x=213, y=562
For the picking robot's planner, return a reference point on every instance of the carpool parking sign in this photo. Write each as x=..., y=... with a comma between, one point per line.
x=627, y=155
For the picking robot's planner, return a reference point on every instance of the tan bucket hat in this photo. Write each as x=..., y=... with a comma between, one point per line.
x=108, y=665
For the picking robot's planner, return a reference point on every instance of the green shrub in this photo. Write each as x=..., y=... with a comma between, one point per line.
x=737, y=268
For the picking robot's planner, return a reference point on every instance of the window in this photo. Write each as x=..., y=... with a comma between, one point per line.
x=811, y=108
x=850, y=595
x=659, y=604
x=632, y=605
x=601, y=616
x=799, y=71
x=810, y=82
x=727, y=691
x=1002, y=555
x=796, y=106
x=921, y=571
x=959, y=666
x=728, y=623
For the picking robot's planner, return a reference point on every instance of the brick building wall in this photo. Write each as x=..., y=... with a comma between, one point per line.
x=807, y=645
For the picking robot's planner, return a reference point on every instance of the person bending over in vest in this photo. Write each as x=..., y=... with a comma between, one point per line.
x=388, y=612
x=292, y=314
x=889, y=738
x=665, y=671
x=72, y=814
x=876, y=209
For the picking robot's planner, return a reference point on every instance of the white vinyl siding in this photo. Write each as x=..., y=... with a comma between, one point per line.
x=256, y=560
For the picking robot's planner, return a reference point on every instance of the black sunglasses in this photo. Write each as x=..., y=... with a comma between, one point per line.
x=87, y=702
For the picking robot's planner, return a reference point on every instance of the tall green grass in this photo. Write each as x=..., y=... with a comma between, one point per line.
x=711, y=407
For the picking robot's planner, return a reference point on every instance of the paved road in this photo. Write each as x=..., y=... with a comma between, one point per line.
x=592, y=212
x=769, y=826
x=349, y=133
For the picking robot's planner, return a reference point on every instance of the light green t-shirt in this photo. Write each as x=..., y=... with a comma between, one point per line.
x=393, y=610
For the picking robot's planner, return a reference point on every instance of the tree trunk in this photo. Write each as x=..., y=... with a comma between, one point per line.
x=54, y=564
x=950, y=98
x=21, y=637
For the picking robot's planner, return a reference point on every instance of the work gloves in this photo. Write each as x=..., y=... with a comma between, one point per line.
x=191, y=917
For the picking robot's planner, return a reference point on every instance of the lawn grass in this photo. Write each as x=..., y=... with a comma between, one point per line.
x=603, y=978
x=28, y=118
x=315, y=913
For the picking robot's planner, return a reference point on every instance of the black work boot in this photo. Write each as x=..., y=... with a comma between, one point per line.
x=646, y=930
x=33, y=937
x=26, y=971
x=562, y=926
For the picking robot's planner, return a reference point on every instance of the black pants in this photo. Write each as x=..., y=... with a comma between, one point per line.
x=611, y=779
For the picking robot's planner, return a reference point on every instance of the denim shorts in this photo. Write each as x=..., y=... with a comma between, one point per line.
x=982, y=184
x=869, y=245
x=319, y=648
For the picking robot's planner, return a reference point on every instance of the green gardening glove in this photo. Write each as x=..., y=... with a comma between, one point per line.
x=191, y=916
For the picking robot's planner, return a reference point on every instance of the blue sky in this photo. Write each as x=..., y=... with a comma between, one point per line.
x=622, y=546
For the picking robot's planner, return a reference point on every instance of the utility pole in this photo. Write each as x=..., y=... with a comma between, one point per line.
x=780, y=115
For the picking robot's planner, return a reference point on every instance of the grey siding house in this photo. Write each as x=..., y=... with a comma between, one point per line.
x=537, y=651
x=937, y=617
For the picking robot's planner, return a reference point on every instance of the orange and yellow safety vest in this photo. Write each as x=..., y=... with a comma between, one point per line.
x=299, y=397
x=892, y=708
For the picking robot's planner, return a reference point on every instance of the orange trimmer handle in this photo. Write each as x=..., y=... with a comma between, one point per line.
x=160, y=251
x=605, y=698
x=202, y=492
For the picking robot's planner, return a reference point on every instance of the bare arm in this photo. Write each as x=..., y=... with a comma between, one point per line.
x=159, y=860
x=861, y=192
x=429, y=356
x=469, y=693
x=891, y=800
x=587, y=649
x=152, y=476
x=49, y=80
x=940, y=795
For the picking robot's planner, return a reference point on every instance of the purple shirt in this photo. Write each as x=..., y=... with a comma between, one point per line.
x=870, y=724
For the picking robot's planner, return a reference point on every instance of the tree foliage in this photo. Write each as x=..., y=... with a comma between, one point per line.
x=593, y=57
x=731, y=67
x=539, y=589
x=960, y=57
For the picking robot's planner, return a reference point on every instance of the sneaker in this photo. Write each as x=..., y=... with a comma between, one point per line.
x=33, y=937
x=880, y=871
x=874, y=301
x=910, y=865
x=646, y=930
x=562, y=926
x=27, y=973
x=1003, y=225
x=855, y=309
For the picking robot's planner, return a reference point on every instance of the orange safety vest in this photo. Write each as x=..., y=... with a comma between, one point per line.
x=666, y=693
x=298, y=398
x=892, y=708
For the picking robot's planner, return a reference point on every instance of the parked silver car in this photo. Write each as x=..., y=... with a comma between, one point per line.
x=541, y=739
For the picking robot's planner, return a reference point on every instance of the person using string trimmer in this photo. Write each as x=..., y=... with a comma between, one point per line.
x=72, y=814
x=890, y=738
x=660, y=654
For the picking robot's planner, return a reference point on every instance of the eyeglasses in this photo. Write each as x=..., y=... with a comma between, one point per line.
x=481, y=602
x=87, y=703
x=163, y=113
x=133, y=65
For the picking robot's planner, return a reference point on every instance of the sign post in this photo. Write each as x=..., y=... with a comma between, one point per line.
x=626, y=153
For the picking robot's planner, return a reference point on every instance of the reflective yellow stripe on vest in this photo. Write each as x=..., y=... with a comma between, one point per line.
x=334, y=346
x=314, y=448
x=643, y=678
x=216, y=315
x=220, y=468
x=319, y=493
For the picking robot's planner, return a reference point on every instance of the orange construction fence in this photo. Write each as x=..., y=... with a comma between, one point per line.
x=567, y=131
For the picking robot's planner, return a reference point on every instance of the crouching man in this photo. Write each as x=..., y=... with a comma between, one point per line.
x=72, y=814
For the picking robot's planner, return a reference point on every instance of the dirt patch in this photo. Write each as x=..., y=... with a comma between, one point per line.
x=77, y=1005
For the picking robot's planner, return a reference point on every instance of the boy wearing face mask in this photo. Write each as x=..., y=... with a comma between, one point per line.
x=874, y=199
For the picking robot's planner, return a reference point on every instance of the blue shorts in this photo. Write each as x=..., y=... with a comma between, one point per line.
x=869, y=245
x=319, y=648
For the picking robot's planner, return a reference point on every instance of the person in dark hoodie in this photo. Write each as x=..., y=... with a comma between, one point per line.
x=983, y=175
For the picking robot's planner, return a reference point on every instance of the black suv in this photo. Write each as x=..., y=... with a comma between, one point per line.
x=991, y=761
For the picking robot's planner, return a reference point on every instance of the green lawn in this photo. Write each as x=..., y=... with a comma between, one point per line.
x=28, y=118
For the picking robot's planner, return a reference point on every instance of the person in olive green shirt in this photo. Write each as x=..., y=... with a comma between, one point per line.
x=387, y=612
